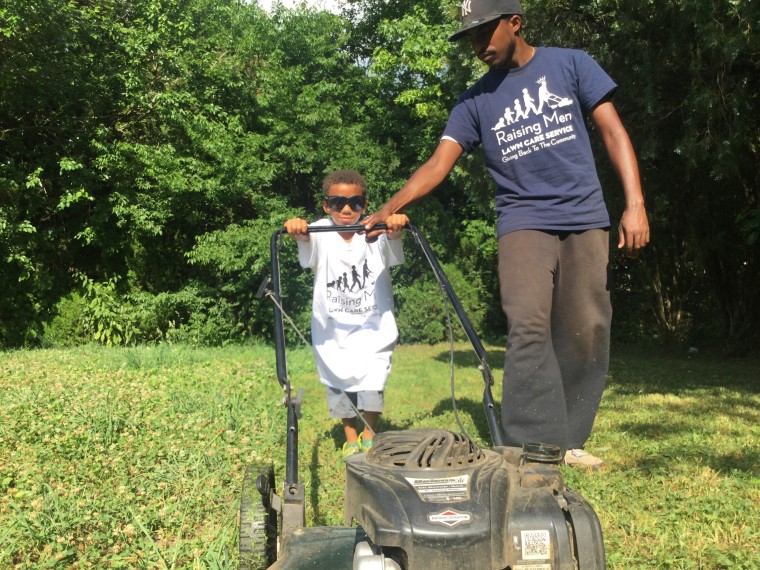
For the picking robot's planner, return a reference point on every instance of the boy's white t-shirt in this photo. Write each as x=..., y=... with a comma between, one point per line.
x=353, y=330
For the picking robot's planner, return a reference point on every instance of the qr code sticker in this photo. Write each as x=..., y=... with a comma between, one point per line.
x=535, y=544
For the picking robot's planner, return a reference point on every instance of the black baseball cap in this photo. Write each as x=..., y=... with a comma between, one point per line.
x=478, y=12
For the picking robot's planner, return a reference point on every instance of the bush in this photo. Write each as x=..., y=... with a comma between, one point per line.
x=99, y=313
x=66, y=329
x=422, y=314
x=108, y=318
x=196, y=314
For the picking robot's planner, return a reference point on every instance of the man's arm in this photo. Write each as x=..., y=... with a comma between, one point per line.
x=420, y=184
x=634, y=226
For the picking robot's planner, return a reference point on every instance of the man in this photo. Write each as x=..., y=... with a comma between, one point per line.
x=528, y=114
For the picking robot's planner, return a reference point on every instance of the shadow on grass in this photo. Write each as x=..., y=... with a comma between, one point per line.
x=473, y=409
x=649, y=370
x=702, y=387
x=711, y=384
x=315, y=483
x=468, y=359
x=336, y=435
x=700, y=405
x=468, y=406
x=636, y=370
x=674, y=457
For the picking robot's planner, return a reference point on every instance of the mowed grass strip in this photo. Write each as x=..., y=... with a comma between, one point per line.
x=133, y=457
x=129, y=458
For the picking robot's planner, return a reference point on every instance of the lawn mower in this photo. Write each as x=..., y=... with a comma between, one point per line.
x=420, y=499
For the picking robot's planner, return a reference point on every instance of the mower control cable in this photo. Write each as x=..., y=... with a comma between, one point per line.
x=450, y=329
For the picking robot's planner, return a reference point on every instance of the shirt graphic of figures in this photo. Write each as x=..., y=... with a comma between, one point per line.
x=353, y=328
x=530, y=122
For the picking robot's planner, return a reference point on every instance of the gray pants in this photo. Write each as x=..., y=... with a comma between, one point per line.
x=555, y=294
x=339, y=402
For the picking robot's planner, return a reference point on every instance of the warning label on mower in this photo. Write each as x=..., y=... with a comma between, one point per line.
x=442, y=490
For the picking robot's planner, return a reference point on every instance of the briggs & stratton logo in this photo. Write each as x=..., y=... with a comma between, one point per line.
x=450, y=518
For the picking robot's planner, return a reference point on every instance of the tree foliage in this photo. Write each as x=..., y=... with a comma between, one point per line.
x=689, y=95
x=149, y=148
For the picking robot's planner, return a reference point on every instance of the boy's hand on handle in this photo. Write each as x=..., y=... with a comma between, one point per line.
x=396, y=223
x=298, y=229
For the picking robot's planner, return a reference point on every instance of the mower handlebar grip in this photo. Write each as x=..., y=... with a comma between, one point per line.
x=352, y=228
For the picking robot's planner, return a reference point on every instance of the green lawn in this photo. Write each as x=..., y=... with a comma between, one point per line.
x=132, y=458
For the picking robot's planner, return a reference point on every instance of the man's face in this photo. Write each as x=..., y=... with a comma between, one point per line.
x=494, y=42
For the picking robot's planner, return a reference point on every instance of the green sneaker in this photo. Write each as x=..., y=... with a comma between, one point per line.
x=366, y=443
x=350, y=449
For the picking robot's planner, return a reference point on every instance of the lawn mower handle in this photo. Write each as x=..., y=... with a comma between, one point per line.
x=497, y=435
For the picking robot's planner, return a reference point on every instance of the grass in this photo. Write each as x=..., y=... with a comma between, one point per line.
x=133, y=458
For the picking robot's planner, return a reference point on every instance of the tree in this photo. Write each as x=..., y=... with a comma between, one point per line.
x=689, y=82
x=149, y=148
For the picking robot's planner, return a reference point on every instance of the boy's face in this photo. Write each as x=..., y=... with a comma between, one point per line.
x=343, y=212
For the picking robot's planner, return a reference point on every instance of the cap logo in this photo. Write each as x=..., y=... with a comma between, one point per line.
x=466, y=7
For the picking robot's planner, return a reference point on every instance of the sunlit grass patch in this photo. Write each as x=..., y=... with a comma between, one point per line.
x=133, y=458
x=108, y=464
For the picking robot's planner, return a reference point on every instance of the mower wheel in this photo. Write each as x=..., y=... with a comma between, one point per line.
x=258, y=521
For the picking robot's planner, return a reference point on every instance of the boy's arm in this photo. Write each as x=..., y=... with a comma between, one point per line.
x=298, y=229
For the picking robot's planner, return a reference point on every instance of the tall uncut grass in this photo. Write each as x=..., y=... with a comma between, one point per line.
x=133, y=458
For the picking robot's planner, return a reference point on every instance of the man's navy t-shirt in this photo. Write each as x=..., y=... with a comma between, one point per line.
x=530, y=121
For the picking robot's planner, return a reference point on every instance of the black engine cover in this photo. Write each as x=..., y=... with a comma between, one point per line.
x=434, y=499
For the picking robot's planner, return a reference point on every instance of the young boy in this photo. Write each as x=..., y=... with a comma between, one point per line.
x=353, y=329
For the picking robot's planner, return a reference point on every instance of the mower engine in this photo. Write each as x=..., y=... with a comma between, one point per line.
x=434, y=499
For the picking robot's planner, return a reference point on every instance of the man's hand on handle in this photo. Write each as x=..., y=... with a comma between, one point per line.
x=379, y=217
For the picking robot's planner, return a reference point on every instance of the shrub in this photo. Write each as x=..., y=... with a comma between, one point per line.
x=107, y=318
x=195, y=315
x=421, y=311
x=66, y=329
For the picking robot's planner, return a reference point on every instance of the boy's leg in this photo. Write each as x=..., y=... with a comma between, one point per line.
x=370, y=402
x=370, y=425
x=349, y=429
x=339, y=406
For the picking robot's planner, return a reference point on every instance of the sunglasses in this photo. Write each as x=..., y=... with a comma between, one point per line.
x=337, y=203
